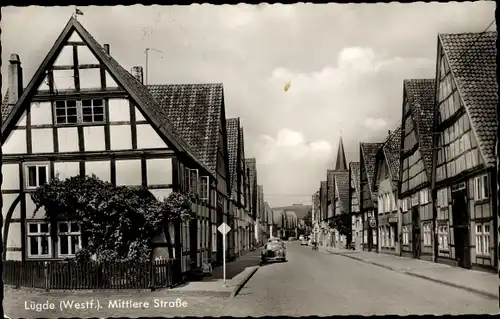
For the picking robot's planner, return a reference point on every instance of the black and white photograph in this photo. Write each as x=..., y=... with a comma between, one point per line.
x=249, y=160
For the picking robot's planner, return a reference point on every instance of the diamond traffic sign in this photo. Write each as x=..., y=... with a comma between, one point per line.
x=224, y=228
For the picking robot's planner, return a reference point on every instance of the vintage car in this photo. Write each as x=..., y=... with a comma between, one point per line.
x=273, y=251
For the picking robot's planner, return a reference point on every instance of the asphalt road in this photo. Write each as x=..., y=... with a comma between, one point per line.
x=320, y=283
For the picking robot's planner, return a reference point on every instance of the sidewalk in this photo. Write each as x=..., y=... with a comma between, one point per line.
x=476, y=281
x=238, y=272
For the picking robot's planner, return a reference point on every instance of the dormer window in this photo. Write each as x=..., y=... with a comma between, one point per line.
x=86, y=111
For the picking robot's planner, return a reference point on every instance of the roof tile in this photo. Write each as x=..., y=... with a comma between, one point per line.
x=233, y=129
x=472, y=59
x=368, y=155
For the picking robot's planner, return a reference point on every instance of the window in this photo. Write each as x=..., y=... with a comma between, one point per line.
x=214, y=238
x=483, y=239
x=406, y=236
x=404, y=205
x=39, y=240
x=414, y=200
x=92, y=111
x=36, y=175
x=481, y=187
x=391, y=235
x=199, y=234
x=193, y=180
x=443, y=197
x=443, y=237
x=427, y=235
x=424, y=196
x=79, y=111
x=69, y=239
x=365, y=236
x=204, y=187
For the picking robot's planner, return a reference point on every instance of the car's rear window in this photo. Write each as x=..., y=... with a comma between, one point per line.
x=275, y=245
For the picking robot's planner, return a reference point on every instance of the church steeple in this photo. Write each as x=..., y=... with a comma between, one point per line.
x=341, y=164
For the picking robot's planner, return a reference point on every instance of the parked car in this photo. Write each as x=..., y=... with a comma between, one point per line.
x=273, y=251
x=303, y=242
x=274, y=239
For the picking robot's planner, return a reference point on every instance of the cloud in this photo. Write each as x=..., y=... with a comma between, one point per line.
x=375, y=124
x=291, y=146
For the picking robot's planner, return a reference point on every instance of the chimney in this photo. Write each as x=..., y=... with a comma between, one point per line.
x=138, y=73
x=106, y=48
x=389, y=132
x=15, y=78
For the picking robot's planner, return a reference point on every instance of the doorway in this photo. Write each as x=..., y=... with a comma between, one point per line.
x=416, y=232
x=461, y=229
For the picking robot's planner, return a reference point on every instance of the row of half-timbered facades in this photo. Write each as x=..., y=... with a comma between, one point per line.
x=429, y=190
x=82, y=113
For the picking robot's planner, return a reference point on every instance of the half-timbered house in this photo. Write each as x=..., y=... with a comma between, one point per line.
x=368, y=195
x=262, y=216
x=82, y=113
x=341, y=203
x=387, y=175
x=464, y=149
x=323, y=198
x=197, y=112
x=252, y=178
x=417, y=222
x=354, y=195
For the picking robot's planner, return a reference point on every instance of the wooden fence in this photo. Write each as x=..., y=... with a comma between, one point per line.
x=70, y=275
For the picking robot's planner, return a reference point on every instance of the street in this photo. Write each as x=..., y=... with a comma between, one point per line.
x=320, y=283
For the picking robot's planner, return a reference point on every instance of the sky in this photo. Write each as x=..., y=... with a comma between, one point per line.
x=345, y=65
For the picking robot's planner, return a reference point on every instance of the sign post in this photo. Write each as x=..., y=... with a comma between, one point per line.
x=224, y=229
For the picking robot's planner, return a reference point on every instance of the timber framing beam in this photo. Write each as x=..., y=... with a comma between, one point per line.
x=71, y=67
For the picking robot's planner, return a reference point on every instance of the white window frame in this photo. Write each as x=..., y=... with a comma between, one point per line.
x=483, y=239
x=67, y=236
x=214, y=238
x=480, y=187
x=39, y=234
x=204, y=188
x=443, y=197
x=37, y=165
x=415, y=200
x=391, y=235
x=427, y=234
x=405, y=236
x=424, y=198
x=443, y=237
x=79, y=111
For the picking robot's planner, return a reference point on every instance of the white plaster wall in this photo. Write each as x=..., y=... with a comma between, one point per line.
x=138, y=115
x=45, y=85
x=121, y=137
x=65, y=57
x=101, y=169
x=119, y=110
x=14, y=237
x=22, y=120
x=66, y=169
x=85, y=56
x=93, y=137
x=64, y=79
x=14, y=255
x=8, y=199
x=148, y=138
x=41, y=113
x=30, y=208
x=68, y=139
x=10, y=174
x=42, y=140
x=161, y=193
x=15, y=143
x=90, y=78
x=110, y=83
x=159, y=171
x=75, y=37
x=128, y=172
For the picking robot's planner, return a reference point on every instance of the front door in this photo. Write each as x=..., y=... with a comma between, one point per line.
x=461, y=229
x=193, y=238
x=416, y=234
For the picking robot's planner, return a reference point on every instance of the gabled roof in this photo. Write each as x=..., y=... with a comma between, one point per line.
x=472, y=59
x=421, y=98
x=368, y=156
x=342, y=185
x=195, y=110
x=341, y=163
x=138, y=92
x=355, y=176
x=330, y=184
x=392, y=150
x=233, y=134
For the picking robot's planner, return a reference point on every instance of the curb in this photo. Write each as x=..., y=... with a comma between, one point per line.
x=447, y=283
x=443, y=282
x=242, y=283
